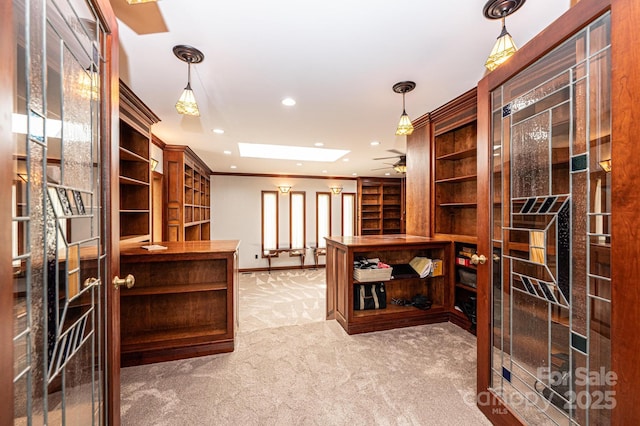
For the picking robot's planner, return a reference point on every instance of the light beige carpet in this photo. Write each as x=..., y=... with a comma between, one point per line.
x=310, y=373
x=281, y=298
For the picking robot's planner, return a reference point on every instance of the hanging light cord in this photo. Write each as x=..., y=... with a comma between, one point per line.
x=188, y=75
x=404, y=111
x=504, y=31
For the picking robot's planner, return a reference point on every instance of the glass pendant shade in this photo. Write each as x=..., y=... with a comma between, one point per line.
x=187, y=103
x=502, y=50
x=404, y=126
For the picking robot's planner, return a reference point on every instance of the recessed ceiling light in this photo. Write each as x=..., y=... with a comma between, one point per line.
x=218, y=131
x=318, y=144
x=375, y=143
x=354, y=174
x=324, y=171
x=345, y=160
x=227, y=152
x=234, y=167
x=387, y=174
x=288, y=152
x=298, y=164
x=288, y=102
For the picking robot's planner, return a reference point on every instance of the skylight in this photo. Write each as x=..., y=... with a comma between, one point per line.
x=287, y=152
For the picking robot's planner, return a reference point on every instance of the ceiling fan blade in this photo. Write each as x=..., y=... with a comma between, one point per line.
x=396, y=151
x=386, y=158
x=143, y=18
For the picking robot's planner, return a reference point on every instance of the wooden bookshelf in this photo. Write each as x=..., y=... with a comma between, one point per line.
x=454, y=176
x=381, y=206
x=396, y=249
x=183, y=302
x=136, y=120
x=188, y=195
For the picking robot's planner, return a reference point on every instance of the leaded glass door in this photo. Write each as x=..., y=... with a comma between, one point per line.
x=551, y=235
x=59, y=221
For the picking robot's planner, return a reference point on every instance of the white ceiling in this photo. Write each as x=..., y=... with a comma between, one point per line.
x=337, y=59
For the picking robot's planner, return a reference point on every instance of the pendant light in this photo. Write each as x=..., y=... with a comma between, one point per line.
x=504, y=47
x=187, y=103
x=404, y=126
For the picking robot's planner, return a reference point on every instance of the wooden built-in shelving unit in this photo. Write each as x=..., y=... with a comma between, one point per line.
x=454, y=206
x=381, y=206
x=183, y=301
x=188, y=195
x=391, y=249
x=136, y=120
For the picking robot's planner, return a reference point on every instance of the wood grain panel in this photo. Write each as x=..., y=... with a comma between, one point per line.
x=418, y=191
x=7, y=73
x=625, y=21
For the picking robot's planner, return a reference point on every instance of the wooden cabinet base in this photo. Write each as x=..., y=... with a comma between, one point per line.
x=393, y=250
x=392, y=317
x=461, y=320
x=183, y=303
x=139, y=357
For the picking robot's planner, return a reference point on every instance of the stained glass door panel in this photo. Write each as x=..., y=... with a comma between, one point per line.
x=551, y=236
x=59, y=256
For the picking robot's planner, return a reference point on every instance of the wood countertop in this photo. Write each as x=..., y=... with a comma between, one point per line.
x=182, y=249
x=383, y=240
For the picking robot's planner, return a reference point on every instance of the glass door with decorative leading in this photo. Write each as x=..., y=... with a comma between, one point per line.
x=551, y=235
x=59, y=221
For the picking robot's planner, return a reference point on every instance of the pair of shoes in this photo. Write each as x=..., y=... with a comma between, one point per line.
x=400, y=302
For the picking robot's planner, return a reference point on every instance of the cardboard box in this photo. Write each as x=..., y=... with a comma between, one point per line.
x=462, y=261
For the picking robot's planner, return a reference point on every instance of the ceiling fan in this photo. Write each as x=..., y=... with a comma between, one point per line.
x=142, y=16
x=399, y=166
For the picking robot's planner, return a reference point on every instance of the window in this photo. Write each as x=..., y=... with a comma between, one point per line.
x=297, y=219
x=348, y=214
x=323, y=217
x=269, y=220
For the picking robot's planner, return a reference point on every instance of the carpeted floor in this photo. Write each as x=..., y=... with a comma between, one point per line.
x=310, y=372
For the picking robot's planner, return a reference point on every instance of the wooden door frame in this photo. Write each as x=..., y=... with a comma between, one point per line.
x=7, y=74
x=625, y=128
x=110, y=135
x=110, y=173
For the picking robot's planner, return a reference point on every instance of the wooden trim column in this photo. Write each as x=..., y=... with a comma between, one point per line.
x=110, y=172
x=417, y=182
x=7, y=74
x=625, y=205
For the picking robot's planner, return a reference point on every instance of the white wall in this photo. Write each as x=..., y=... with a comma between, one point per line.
x=157, y=154
x=236, y=214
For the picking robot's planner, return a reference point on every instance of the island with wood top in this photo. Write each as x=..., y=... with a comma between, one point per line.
x=183, y=303
x=392, y=250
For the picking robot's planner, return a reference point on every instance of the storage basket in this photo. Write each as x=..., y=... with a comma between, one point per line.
x=370, y=275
